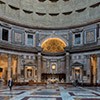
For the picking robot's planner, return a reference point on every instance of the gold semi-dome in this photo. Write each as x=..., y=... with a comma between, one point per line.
x=53, y=45
x=50, y=13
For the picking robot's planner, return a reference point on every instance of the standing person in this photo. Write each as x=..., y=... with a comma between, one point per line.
x=10, y=83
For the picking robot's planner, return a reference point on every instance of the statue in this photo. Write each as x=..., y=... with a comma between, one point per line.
x=29, y=72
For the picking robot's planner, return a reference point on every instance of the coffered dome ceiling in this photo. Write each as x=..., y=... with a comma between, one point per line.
x=53, y=45
x=50, y=13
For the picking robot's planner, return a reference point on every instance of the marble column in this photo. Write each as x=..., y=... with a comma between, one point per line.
x=39, y=67
x=67, y=67
x=95, y=70
x=18, y=68
x=9, y=66
x=25, y=69
x=81, y=74
x=88, y=68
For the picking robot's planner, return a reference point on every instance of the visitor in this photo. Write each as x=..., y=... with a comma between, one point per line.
x=75, y=83
x=10, y=83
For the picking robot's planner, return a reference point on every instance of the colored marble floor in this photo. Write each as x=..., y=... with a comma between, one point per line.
x=50, y=92
x=86, y=93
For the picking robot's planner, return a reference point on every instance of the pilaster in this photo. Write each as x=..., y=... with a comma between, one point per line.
x=67, y=67
x=19, y=68
x=39, y=68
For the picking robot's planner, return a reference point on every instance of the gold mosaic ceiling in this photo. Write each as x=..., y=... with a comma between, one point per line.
x=53, y=45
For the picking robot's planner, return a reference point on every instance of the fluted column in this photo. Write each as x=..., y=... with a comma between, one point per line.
x=67, y=68
x=9, y=66
x=39, y=68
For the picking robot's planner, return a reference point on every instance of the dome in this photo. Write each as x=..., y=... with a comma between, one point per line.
x=50, y=13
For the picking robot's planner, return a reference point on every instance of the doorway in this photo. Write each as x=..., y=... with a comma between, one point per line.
x=77, y=73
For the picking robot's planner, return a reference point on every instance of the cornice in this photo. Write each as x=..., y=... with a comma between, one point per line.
x=23, y=48
x=53, y=54
x=84, y=48
x=18, y=48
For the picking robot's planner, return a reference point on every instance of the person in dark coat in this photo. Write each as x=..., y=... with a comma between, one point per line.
x=10, y=83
